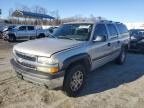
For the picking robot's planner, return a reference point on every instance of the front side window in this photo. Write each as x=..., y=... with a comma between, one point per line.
x=79, y=32
x=22, y=28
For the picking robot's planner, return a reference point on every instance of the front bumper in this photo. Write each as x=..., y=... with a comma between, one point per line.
x=5, y=36
x=36, y=77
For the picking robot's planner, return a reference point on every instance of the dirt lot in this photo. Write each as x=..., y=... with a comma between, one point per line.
x=111, y=86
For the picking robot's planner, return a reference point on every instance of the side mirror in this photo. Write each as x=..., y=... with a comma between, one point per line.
x=99, y=39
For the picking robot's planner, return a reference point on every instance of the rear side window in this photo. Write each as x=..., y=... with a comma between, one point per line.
x=22, y=28
x=30, y=27
x=112, y=30
x=100, y=30
x=122, y=28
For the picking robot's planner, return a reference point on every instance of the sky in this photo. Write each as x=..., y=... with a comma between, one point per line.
x=117, y=10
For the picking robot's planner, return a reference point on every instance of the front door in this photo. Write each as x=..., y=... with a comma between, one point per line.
x=31, y=31
x=100, y=50
x=22, y=32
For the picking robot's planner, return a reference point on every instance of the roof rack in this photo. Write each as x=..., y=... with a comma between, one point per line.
x=118, y=22
x=106, y=21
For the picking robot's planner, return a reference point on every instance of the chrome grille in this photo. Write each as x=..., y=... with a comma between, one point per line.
x=25, y=57
x=25, y=60
x=27, y=65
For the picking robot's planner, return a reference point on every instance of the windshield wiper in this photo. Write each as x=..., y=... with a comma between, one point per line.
x=64, y=37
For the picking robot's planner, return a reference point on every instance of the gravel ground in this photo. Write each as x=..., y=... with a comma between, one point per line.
x=111, y=86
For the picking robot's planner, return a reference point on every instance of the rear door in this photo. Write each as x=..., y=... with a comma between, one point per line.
x=113, y=40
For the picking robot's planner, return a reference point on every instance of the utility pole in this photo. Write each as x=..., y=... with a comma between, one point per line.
x=0, y=14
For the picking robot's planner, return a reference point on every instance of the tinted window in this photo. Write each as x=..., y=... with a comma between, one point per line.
x=30, y=27
x=112, y=30
x=100, y=30
x=122, y=28
x=22, y=28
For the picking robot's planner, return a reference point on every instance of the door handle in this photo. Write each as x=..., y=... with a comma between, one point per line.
x=109, y=44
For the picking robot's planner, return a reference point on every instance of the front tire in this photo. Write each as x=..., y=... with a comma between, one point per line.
x=11, y=38
x=121, y=58
x=74, y=80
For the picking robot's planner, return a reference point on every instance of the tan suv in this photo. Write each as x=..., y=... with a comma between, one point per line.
x=75, y=49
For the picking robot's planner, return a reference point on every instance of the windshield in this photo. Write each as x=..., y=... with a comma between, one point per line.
x=137, y=32
x=11, y=27
x=79, y=32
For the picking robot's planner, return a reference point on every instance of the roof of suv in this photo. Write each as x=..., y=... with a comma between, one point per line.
x=92, y=22
x=81, y=22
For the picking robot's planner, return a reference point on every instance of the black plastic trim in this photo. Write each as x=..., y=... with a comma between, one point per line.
x=75, y=58
x=105, y=55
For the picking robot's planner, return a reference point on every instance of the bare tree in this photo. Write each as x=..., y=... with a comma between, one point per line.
x=11, y=10
x=39, y=9
x=57, y=17
x=25, y=8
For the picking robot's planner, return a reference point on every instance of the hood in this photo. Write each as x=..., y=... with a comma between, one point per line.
x=46, y=46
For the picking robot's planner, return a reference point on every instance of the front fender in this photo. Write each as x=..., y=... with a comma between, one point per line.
x=83, y=57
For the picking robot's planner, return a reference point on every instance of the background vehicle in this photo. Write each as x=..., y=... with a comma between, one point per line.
x=136, y=34
x=25, y=32
x=137, y=39
x=1, y=30
x=6, y=30
x=74, y=50
x=52, y=29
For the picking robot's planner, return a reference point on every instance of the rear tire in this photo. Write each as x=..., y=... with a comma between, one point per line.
x=74, y=80
x=30, y=38
x=121, y=58
x=11, y=38
x=41, y=36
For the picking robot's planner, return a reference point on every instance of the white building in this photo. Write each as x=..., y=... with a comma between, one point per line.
x=135, y=25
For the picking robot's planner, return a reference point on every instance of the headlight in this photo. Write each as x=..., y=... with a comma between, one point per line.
x=48, y=65
x=133, y=38
x=47, y=61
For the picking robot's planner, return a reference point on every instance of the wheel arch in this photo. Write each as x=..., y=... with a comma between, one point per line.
x=12, y=34
x=126, y=46
x=40, y=34
x=82, y=58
